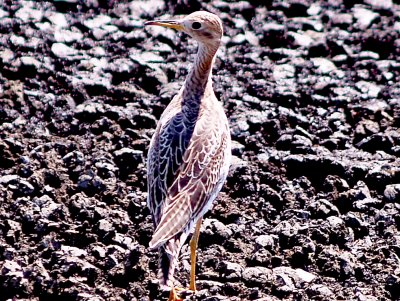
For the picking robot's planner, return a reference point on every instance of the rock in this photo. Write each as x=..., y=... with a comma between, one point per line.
x=74, y=159
x=322, y=208
x=257, y=276
x=105, y=226
x=335, y=221
x=216, y=229
x=274, y=34
x=7, y=179
x=392, y=192
x=320, y=290
x=63, y=51
x=359, y=227
x=283, y=71
x=367, y=128
x=19, y=185
x=323, y=65
x=370, y=90
x=298, y=276
x=376, y=4
x=364, y=17
x=393, y=285
x=231, y=271
x=342, y=20
x=57, y=19
x=125, y=157
x=301, y=40
x=27, y=13
x=98, y=21
x=380, y=176
x=73, y=251
x=266, y=241
x=99, y=252
x=140, y=8
x=30, y=62
x=335, y=184
x=65, y=36
x=106, y=170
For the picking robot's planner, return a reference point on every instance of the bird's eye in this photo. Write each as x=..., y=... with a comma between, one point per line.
x=196, y=25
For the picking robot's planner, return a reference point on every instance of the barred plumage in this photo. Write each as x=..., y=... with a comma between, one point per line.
x=190, y=151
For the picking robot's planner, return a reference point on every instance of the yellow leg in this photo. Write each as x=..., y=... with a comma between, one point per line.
x=193, y=247
x=173, y=295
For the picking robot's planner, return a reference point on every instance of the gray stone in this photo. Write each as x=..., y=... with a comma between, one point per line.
x=57, y=19
x=97, y=22
x=73, y=251
x=257, y=276
x=7, y=179
x=369, y=90
x=232, y=271
x=67, y=36
x=379, y=4
x=63, y=51
x=105, y=226
x=283, y=71
x=364, y=17
x=216, y=227
x=392, y=192
x=323, y=65
x=25, y=187
x=266, y=241
x=320, y=290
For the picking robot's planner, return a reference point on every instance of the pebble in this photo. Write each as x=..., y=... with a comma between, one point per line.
x=63, y=51
x=105, y=226
x=215, y=227
x=301, y=39
x=258, y=276
x=266, y=241
x=342, y=19
x=66, y=36
x=322, y=208
x=128, y=155
x=392, y=192
x=57, y=19
x=378, y=4
x=27, y=13
x=97, y=22
x=9, y=179
x=232, y=271
x=320, y=290
x=283, y=71
x=369, y=90
x=297, y=276
x=73, y=251
x=323, y=65
x=147, y=8
x=364, y=17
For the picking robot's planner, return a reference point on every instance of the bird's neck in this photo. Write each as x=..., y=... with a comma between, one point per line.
x=198, y=82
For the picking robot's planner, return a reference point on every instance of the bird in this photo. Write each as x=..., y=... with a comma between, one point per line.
x=189, y=154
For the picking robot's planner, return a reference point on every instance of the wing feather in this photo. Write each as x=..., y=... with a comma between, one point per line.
x=186, y=171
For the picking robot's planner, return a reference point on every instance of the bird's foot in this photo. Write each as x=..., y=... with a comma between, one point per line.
x=179, y=294
x=173, y=296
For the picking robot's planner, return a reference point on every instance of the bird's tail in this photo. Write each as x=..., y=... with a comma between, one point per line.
x=167, y=264
x=169, y=253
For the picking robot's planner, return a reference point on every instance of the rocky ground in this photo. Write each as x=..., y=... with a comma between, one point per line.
x=310, y=210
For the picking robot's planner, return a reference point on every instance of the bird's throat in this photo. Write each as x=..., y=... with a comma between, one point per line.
x=199, y=80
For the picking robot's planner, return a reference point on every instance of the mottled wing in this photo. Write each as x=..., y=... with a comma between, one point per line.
x=198, y=178
x=165, y=156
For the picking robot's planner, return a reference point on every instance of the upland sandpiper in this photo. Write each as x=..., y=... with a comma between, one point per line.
x=190, y=151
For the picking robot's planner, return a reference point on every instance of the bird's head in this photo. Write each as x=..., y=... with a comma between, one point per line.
x=203, y=26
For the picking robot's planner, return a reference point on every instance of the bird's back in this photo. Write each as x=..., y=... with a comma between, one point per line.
x=188, y=162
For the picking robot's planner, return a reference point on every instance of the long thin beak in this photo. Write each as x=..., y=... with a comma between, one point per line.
x=166, y=23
